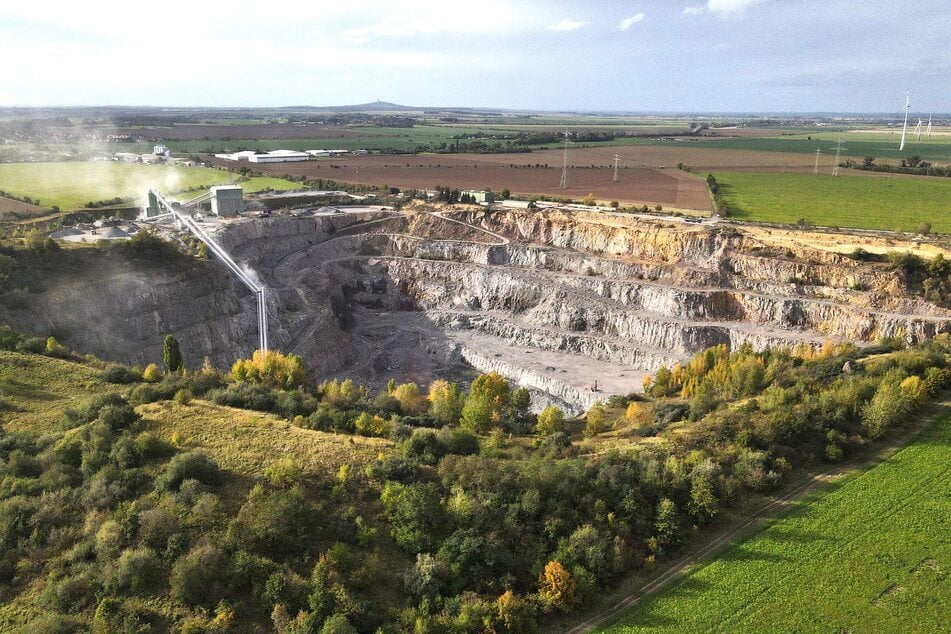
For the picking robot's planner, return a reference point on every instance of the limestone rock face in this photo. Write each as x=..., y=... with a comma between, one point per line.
x=556, y=301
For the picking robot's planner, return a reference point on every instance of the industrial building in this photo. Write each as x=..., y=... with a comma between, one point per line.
x=222, y=200
x=275, y=156
x=326, y=153
x=227, y=200
x=480, y=196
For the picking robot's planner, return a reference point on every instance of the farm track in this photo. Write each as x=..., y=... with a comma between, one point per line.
x=775, y=508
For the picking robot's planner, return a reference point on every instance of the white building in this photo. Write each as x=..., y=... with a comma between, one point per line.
x=279, y=156
x=237, y=156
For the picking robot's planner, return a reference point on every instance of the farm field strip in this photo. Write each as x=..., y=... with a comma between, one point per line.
x=70, y=185
x=869, y=554
x=895, y=204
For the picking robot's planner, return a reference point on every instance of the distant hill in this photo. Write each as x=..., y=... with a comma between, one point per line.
x=373, y=106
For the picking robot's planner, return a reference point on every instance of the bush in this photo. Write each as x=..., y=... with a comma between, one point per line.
x=90, y=411
x=70, y=593
x=278, y=523
x=372, y=425
x=31, y=345
x=192, y=465
x=151, y=374
x=246, y=396
x=119, y=374
x=118, y=416
x=198, y=578
x=137, y=570
x=459, y=441
x=183, y=396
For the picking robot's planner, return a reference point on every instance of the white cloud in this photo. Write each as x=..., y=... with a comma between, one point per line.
x=627, y=23
x=567, y=25
x=723, y=8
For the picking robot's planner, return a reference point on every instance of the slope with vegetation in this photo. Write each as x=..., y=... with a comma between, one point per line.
x=204, y=501
x=871, y=555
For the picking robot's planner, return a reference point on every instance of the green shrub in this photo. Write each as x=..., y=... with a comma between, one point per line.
x=199, y=577
x=119, y=374
x=551, y=420
x=183, y=396
x=275, y=522
x=137, y=570
x=192, y=465
x=117, y=417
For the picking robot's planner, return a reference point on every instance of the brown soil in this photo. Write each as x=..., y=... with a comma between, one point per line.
x=533, y=173
x=264, y=131
x=8, y=205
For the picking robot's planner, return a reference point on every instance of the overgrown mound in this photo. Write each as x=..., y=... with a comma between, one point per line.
x=476, y=514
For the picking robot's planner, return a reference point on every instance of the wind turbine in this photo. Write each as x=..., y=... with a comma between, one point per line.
x=929, y=126
x=918, y=129
x=905, y=127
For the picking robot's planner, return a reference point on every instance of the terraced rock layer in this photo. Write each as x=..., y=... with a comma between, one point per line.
x=560, y=302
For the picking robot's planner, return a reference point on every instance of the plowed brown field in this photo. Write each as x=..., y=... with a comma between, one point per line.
x=533, y=173
x=8, y=205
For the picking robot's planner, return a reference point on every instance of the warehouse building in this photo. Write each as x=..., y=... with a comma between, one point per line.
x=275, y=156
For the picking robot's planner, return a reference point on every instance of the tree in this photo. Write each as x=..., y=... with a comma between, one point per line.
x=588, y=200
x=445, y=402
x=923, y=229
x=417, y=517
x=595, y=422
x=54, y=348
x=272, y=369
x=868, y=162
x=410, y=398
x=171, y=356
x=477, y=414
x=505, y=194
x=551, y=420
x=492, y=386
x=667, y=522
x=515, y=613
x=703, y=502
x=556, y=588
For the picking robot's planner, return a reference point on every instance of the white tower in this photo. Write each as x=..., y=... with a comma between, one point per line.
x=838, y=151
x=564, y=165
x=617, y=157
x=815, y=170
x=904, y=128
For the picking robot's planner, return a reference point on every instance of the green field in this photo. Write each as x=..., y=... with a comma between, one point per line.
x=870, y=202
x=872, y=555
x=938, y=149
x=70, y=185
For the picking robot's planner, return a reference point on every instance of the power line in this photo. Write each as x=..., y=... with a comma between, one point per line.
x=815, y=170
x=617, y=157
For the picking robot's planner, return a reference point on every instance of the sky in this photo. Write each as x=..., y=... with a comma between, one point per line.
x=605, y=55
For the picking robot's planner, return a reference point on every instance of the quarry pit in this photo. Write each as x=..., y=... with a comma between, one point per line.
x=575, y=305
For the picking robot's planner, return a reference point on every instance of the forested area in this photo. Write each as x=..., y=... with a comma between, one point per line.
x=479, y=515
